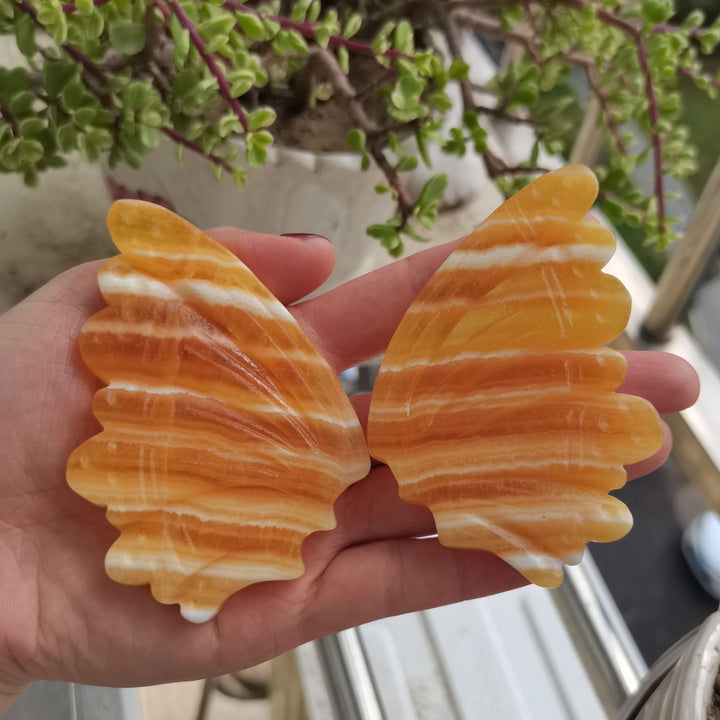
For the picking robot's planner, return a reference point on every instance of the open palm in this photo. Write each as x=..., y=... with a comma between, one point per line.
x=62, y=618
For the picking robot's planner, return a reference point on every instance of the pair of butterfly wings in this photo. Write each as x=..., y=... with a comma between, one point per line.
x=227, y=438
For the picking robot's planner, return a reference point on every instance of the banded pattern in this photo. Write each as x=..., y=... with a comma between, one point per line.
x=227, y=438
x=495, y=403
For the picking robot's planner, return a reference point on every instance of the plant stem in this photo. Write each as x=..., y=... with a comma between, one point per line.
x=180, y=139
x=654, y=116
x=307, y=30
x=497, y=167
x=79, y=57
x=631, y=30
x=609, y=195
x=689, y=74
x=592, y=78
x=500, y=114
x=328, y=64
x=208, y=59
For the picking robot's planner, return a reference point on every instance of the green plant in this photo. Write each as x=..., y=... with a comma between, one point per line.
x=114, y=76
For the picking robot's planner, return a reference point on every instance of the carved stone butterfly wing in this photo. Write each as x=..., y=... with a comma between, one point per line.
x=227, y=437
x=495, y=405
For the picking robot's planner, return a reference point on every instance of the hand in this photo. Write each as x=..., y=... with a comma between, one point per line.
x=62, y=618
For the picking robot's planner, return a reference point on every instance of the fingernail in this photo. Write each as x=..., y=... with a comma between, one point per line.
x=304, y=236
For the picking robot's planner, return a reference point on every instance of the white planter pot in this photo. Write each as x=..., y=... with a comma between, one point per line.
x=680, y=685
x=295, y=192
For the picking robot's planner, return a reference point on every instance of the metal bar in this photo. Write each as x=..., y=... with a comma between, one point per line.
x=589, y=140
x=348, y=676
x=610, y=655
x=695, y=430
x=686, y=265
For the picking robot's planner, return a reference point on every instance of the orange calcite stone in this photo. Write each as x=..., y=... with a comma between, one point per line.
x=227, y=438
x=495, y=403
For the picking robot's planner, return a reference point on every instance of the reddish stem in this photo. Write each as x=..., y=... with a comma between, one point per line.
x=633, y=31
x=208, y=59
x=69, y=48
x=689, y=74
x=654, y=116
x=307, y=30
x=194, y=146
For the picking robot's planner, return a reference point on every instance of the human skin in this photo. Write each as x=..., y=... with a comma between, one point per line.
x=62, y=618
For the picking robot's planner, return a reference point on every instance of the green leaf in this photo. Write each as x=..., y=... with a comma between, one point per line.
x=694, y=19
x=25, y=35
x=219, y=25
x=526, y=95
x=272, y=28
x=355, y=140
x=239, y=177
x=240, y=81
x=511, y=16
x=432, y=191
x=409, y=162
x=251, y=25
x=66, y=137
x=395, y=144
x=352, y=26
x=260, y=118
x=404, y=38
x=343, y=57
x=441, y=100
x=85, y=7
x=85, y=116
x=149, y=136
x=95, y=25
x=126, y=36
x=22, y=102
x=186, y=81
x=300, y=11
x=56, y=75
x=322, y=35
x=314, y=11
x=386, y=234
x=656, y=12
x=297, y=42
x=421, y=139
x=256, y=147
x=407, y=230
x=708, y=40
x=134, y=96
x=100, y=137
x=217, y=44
x=16, y=80
x=88, y=151
x=406, y=92
x=382, y=189
x=614, y=211
x=31, y=127
x=217, y=171
x=458, y=70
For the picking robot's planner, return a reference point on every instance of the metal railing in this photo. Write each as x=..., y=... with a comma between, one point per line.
x=654, y=320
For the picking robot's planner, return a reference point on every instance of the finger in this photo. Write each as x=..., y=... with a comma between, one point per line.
x=646, y=466
x=367, y=511
x=361, y=404
x=291, y=266
x=56, y=311
x=391, y=577
x=667, y=381
x=357, y=320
